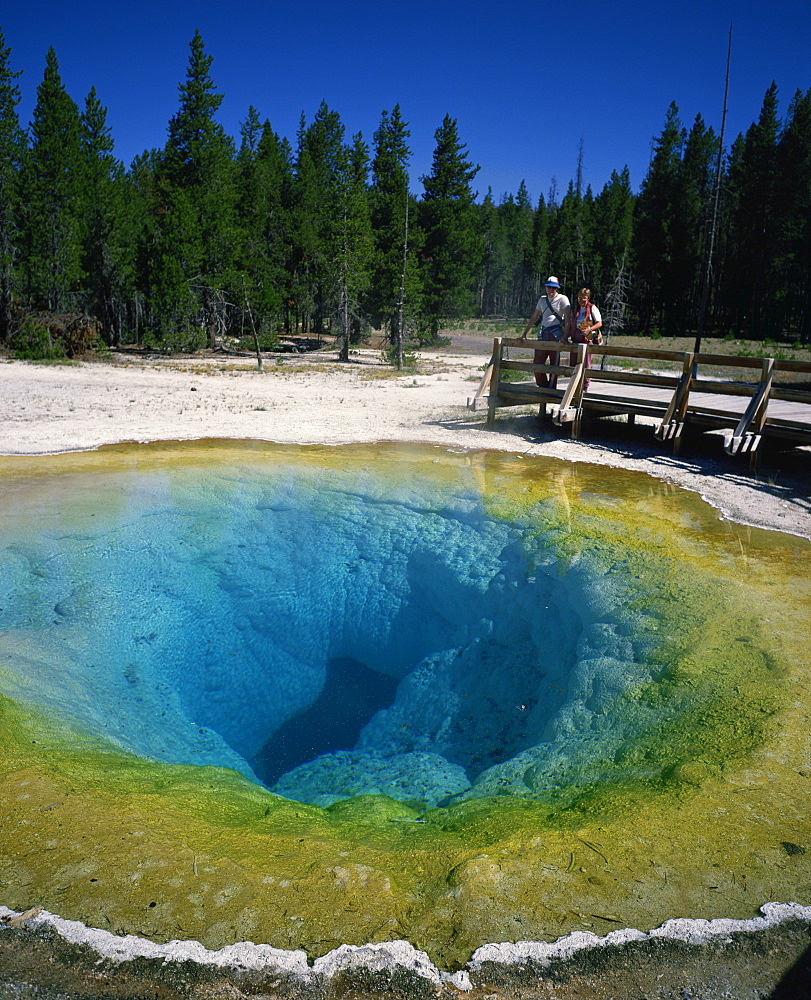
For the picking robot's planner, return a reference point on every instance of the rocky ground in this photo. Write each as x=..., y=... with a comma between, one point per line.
x=770, y=965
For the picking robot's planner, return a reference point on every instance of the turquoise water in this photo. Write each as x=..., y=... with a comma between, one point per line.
x=604, y=681
x=327, y=631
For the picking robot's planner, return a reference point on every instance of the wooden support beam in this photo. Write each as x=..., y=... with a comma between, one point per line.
x=483, y=385
x=673, y=421
x=570, y=409
x=635, y=378
x=746, y=436
x=532, y=366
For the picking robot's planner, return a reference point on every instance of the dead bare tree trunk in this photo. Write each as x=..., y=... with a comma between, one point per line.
x=401, y=302
x=209, y=312
x=616, y=302
x=253, y=325
x=707, y=282
x=343, y=354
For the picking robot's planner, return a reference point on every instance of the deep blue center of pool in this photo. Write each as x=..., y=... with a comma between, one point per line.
x=328, y=638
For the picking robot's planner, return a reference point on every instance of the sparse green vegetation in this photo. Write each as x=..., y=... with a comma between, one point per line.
x=33, y=342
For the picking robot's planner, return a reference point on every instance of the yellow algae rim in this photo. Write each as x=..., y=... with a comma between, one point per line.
x=716, y=827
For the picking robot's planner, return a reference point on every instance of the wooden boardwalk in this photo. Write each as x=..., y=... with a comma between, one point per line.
x=754, y=407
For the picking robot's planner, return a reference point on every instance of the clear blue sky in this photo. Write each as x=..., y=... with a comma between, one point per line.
x=525, y=81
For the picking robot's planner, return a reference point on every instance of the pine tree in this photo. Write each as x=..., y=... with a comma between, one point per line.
x=570, y=239
x=106, y=257
x=143, y=209
x=53, y=256
x=395, y=235
x=653, y=235
x=453, y=248
x=793, y=209
x=355, y=243
x=320, y=163
x=521, y=241
x=195, y=277
x=265, y=182
x=727, y=315
x=250, y=133
x=613, y=227
x=13, y=150
x=755, y=224
x=690, y=212
x=246, y=207
x=540, y=261
x=495, y=283
x=195, y=140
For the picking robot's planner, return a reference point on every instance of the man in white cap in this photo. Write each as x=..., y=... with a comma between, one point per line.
x=555, y=314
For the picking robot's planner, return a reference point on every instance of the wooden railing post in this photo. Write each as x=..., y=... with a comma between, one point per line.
x=495, y=378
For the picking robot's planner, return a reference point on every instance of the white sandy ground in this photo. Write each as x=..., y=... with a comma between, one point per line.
x=314, y=400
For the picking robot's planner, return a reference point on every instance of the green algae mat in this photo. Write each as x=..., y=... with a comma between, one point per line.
x=601, y=715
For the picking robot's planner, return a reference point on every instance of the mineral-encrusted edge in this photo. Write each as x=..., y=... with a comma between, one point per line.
x=395, y=955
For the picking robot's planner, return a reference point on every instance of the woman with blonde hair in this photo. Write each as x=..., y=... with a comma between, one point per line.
x=585, y=327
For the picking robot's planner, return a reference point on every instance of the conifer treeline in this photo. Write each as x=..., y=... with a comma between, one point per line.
x=208, y=237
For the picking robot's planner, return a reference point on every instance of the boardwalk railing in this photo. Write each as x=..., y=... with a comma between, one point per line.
x=751, y=407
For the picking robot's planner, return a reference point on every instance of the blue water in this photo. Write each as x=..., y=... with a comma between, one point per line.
x=352, y=693
x=324, y=632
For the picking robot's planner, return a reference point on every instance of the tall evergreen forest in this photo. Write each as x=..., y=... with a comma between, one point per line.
x=213, y=237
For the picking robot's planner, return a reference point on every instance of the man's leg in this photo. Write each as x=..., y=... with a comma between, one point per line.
x=542, y=358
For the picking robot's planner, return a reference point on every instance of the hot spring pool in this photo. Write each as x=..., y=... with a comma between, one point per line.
x=316, y=695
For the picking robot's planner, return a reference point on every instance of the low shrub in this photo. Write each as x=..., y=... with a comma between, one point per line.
x=33, y=342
